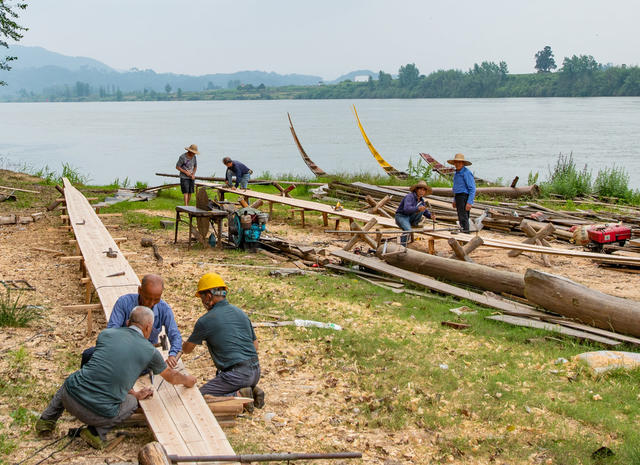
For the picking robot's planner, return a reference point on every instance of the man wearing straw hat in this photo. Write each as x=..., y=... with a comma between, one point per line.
x=464, y=190
x=187, y=165
x=412, y=208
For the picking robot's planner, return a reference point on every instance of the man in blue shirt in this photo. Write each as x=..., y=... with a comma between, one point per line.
x=464, y=190
x=412, y=208
x=101, y=393
x=237, y=169
x=149, y=295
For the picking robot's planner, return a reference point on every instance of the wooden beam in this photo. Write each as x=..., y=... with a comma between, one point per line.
x=82, y=307
x=357, y=237
x=19, y=190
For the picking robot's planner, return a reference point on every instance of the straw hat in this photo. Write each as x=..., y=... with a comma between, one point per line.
x=193, y=148
x=422, y=184
x=459, y=157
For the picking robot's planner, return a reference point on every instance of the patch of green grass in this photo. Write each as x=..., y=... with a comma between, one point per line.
x=73, y=175
x=23, y=417
x=15, y=314
x=402, y=369
x=6, y=445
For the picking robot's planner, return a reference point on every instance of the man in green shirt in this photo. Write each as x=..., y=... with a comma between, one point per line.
x=101, y=393
x=231, y=341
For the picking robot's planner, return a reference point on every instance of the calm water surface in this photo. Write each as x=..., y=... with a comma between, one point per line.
x=503, y=137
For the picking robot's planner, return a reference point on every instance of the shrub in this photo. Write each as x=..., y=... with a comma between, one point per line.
x=73, y=175
x=613, y=182
x=566, y=180
x=13, y=314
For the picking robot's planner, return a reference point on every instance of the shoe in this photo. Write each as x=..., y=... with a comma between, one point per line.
x=258, y=397
x=247, y=392
x=92, y=438
x=45, y=426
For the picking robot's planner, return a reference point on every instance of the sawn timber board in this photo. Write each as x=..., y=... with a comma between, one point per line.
x=306, y=205
x=179, y=417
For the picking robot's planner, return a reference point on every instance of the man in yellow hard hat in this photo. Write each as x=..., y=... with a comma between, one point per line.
x=231, y=341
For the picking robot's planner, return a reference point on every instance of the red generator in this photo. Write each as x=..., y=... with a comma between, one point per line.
x=608, y=234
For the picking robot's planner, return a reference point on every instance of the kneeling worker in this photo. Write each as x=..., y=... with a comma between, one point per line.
x=101, y=393
x=412, y=208
x=237, y=169
x=231, y=341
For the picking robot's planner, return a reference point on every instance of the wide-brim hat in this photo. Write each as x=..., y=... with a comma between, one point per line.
x=459, y=157
x=422, y=184
x=193, y=148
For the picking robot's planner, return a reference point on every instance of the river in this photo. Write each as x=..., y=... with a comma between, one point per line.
x=503, y=138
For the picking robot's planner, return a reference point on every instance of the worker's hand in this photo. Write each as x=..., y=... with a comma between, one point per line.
x=453, y=204
x=192, y=176
x=143, y=393
x=468, y=207
x=422, y=208
x=172, y=361
x=190, y=381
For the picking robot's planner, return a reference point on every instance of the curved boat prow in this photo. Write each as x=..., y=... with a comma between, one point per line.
x=390, y=170
x=312, y=166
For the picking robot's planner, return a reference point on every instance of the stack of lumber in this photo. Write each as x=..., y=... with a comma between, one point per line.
x=20, y=219
x=309, y=255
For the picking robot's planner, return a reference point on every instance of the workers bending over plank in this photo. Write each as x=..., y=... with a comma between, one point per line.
x=412, y=208
x=187, y=165
x=149, y=295
x=464, y=190
x=101, y=393
x=231, y=341
x=239, y=170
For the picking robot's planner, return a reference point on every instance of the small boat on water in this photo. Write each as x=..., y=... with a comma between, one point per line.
x=315, y=169
x=438, y=167
x=390, y=170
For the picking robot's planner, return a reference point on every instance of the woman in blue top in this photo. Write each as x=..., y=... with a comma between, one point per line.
x=464, y=190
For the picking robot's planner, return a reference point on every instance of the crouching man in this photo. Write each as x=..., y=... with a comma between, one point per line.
x=231, y=341
x=101, y=393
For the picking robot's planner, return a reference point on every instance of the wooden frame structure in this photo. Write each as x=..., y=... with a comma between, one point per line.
x=179, y=417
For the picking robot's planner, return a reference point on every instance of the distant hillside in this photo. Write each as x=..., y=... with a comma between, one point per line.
x=353, y=74
x=41, y=71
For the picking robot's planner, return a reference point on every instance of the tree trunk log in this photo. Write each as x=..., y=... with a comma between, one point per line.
x=572, y=300
x=510, y=192
x=153, y=454
x=483, y=277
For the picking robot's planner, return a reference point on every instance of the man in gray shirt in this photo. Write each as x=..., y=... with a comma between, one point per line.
x=187, y=165
x=101, y=393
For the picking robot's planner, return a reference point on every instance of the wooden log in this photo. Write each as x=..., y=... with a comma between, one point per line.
x=257, y=204
x=53, y=205
x=541, y=234
x=458, y=251
x=480, y=276
x=10, y=219
x=572, y=300
x=153, y=453
x=470, y=246
x=19, y=190
x=149, y=242
x=510, y=192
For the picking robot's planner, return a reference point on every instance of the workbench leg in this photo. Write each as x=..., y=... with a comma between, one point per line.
x=270, y=209
x=302, y=216
x=219, y=242
x=431, y=245
x=175, y=237
x=337, y=228
x=325, y=219
x=221, y=195
x=190, y=231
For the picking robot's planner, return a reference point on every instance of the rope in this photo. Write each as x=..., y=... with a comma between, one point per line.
x=73, y=433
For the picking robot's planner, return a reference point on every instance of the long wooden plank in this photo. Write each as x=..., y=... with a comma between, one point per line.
x=499, y=244
x=430, y=283
x=93, y=240
x=179, y=417
x=529, y=323
x=306, y=205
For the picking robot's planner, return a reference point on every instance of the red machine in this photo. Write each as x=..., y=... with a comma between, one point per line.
x=608, y=234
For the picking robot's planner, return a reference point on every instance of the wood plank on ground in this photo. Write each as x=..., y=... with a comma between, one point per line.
x=179, y=417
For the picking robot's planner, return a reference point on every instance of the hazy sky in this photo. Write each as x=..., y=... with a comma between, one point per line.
x=331, y=37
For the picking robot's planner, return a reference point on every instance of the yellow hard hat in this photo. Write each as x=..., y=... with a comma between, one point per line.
x=210, y=281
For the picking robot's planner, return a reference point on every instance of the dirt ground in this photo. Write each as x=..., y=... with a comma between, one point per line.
x=308, y=405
